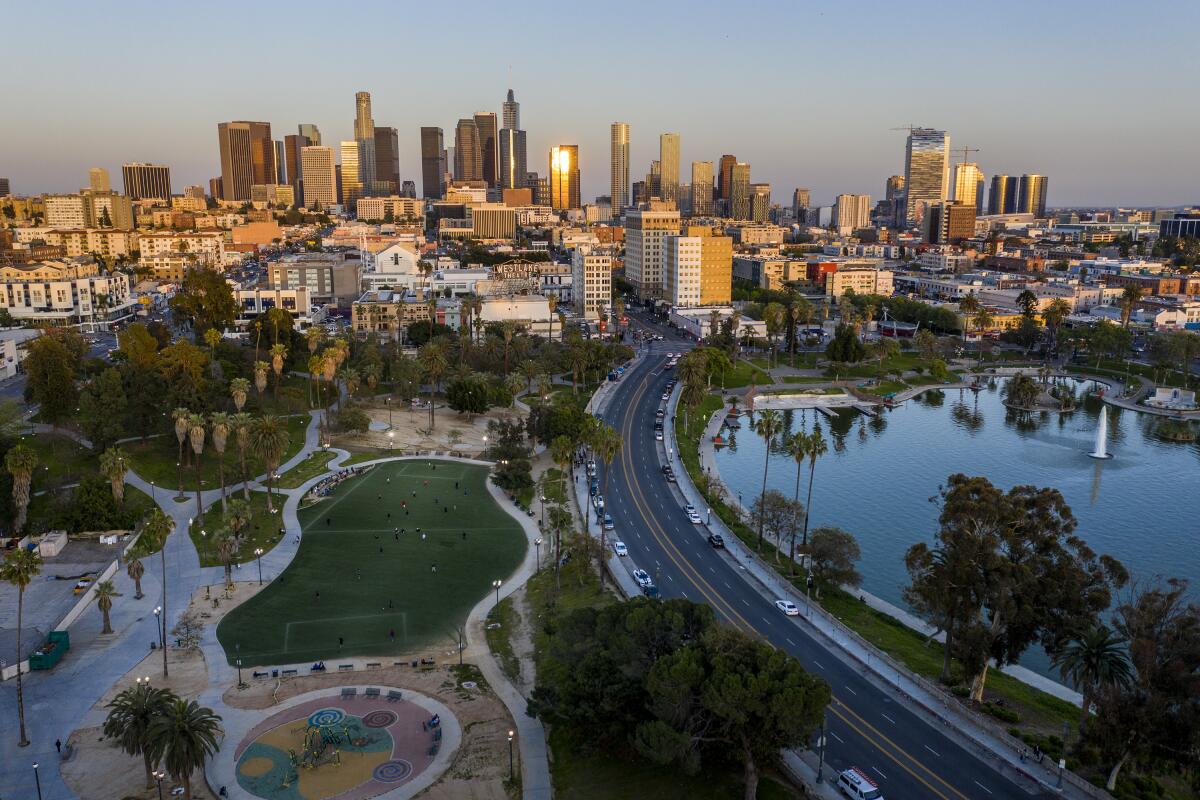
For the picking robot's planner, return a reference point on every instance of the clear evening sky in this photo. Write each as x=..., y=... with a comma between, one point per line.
x=1098, y=95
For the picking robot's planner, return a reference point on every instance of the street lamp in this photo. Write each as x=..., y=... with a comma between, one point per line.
x=158, y=776
x=543, y=509
x=709, y=516
x=391, y=437
x=821, y=753
x=537, y=543
x=258, y=551
x=1062, y=761
x=237, y=648
x=38, y=778
x=496, y=585
x=510, y=755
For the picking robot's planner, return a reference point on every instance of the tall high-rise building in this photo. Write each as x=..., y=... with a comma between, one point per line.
x=319, y=168
x=310, y=132
x=387, y=160
x=851, y=212
x=697, y=268
x=702, y=188
x=98, y=180
x=668, y=159
x=619, y=167
x=513, y=164
x=760, y=202
x=147, y=181
x=739, y=190
x=364, y=138
x=351, y=186
x=468, y=163
x=564, y=176
x=654, y=179
x=1003, y=197
x=293, y=145
x=894, y=188
x=925, y=162
x=801, y=200
x=5, y=187
x=433, y=163
x=247, y=157
x=968, y=184
x=950, y=222
x=280, y=168
x=724, y=175
x=1031, y=195
x=646, y=229
x=511, y=112
x=489, y=151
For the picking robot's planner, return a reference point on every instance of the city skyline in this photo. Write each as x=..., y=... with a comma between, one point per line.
x=1048, y=116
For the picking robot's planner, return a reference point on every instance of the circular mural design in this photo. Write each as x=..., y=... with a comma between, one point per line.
x=379, y=719
x=392, y=771
x=327, y=716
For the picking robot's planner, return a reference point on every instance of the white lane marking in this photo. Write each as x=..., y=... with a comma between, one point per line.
x=789, y=641
x=880, y=774
x=935, y=752
x=981, y=786
x=747, y=602
x=889, y=719
x=851, y=691
x=727, y=586
x=819, y=664
x=834, y=735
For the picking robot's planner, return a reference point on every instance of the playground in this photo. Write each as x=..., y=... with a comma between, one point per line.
x=391, y=561
x=349, y=746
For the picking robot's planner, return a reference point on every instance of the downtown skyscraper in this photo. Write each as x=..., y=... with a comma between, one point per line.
x=468, y=160
x=668, y=166
x=564, y=177
x=489, y=151
x=513, y=154
x=433, y=163
x=926, y=159
x=247, y=157
x=364, y=137
x=702, y=188
x=619, y=167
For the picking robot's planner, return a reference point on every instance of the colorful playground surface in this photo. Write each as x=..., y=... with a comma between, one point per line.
x=337, y=746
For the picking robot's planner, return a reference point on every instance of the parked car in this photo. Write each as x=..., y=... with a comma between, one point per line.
x=694, y=518
x=716, y=540
x=642, y=577
x=788, y=607
x=856, y=784
x=658, y=437
x=650, y=591
x=608, y=523
x=620, y=550
x=598, y=502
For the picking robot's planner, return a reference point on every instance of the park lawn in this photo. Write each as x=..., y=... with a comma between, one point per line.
x=365, y=455
x=502, y=622
x=803, y=379
x=293, y=396
x=61, y=460
x=884, y=388
x=743, y=374
x=263, y=530
x=804, y=360
x=316, y=464
x=356, y=579
x=155, y=459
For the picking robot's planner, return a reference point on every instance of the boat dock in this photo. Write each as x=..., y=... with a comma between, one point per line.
x=863, y=408
x=827, y=411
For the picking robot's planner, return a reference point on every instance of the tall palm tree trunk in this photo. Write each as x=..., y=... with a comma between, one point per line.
x=792, y=546
x=812, y=469
x=245, y=480
x=24, y=740
x=762, y=497
x=196, y=469
x=221, y=478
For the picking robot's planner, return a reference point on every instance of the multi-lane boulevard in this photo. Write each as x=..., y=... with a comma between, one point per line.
x=909, y=755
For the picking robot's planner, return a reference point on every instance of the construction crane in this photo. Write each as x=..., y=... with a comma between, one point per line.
x=965, y=151
x=910, y=128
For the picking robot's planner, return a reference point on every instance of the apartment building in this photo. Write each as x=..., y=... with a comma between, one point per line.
x=208, y=249
x=64, y=293
x=591, y=281
x=646, y=230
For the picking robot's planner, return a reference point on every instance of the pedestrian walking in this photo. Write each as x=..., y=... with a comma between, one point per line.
x=434, y=568
x=58, y=745
x=340, y=641
x=392, y=634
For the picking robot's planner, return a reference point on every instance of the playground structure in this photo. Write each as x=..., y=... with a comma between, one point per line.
x=320, y=747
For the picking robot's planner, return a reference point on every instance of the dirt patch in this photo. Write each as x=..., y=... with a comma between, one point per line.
x=410, y=429
x=97, y=768
x=480, y=767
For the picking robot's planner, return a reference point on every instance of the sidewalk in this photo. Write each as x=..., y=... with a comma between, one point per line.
x=985, y=736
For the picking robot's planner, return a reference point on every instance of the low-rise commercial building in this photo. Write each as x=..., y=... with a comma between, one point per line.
x=64, y=293
x=591, y=279
x=334, y=278
x=208, y=249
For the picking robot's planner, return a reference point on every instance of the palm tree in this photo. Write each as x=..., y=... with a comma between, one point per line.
x=816, y=448
x=240, y=423
x=968, y=306
x=796, y=446
x=113, y=466
x=196, y=433
x=128, y=722
x=314, y=367
x=136, y=569
x=269, y=441
x=238, y=389
x=180, y=415
x=529, y=368
x=508, y=329
x=1130, y=296
x=432, y=357
x=514, y=384
x=157, y=530
x=20, y=462
x=1098, y=658
x=220, y=436
x=606, y=445
x=184, y=735
x=105, y=591
x=19, y=568
x=260, y=378
x=349, y=378
x=238, y=517
x=227, y=552
x=691, y=395
x=313, y=336
x=1054, y=316
x=770, y=424
x=279, y=354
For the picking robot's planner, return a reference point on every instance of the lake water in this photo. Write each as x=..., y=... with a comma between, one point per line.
x=1142, y=506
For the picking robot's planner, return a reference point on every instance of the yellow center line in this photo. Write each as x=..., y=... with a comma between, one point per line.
x=734, y=617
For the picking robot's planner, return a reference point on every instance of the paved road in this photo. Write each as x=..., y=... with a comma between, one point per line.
x=868, y=727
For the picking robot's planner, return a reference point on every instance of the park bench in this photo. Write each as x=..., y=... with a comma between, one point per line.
x=289, y=672
x=349, y=691
x=258, y=674
x=371, y=664
x=371, y=692
x=433, y=751
x=345, y=667
x=394, y=696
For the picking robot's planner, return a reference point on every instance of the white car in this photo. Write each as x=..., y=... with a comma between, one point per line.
x=620, y=549
x=788, y=607
x=642, y=577
x=666, y=395
x=658, y=437
x=598, y=502
x=694, y=518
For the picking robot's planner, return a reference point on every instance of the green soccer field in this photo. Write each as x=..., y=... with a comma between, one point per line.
x=356, y=578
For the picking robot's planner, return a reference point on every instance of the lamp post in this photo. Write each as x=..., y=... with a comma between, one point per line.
x=158, y=777
x=821, y=753
x=387, y=401
x=1062, y=761
x=258, y=551
x=510, y=755
x=543, y=509
x=38, y=778
x=709, y=516
x=152, y=495
x=537, y=543
x=391, y=439
x=237, y=648
x=496, y=585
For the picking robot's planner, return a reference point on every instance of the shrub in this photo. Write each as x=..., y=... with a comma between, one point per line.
x=354, y=420
x=1001, y=713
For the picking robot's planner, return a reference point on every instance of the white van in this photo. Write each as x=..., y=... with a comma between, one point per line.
x=854, y=783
